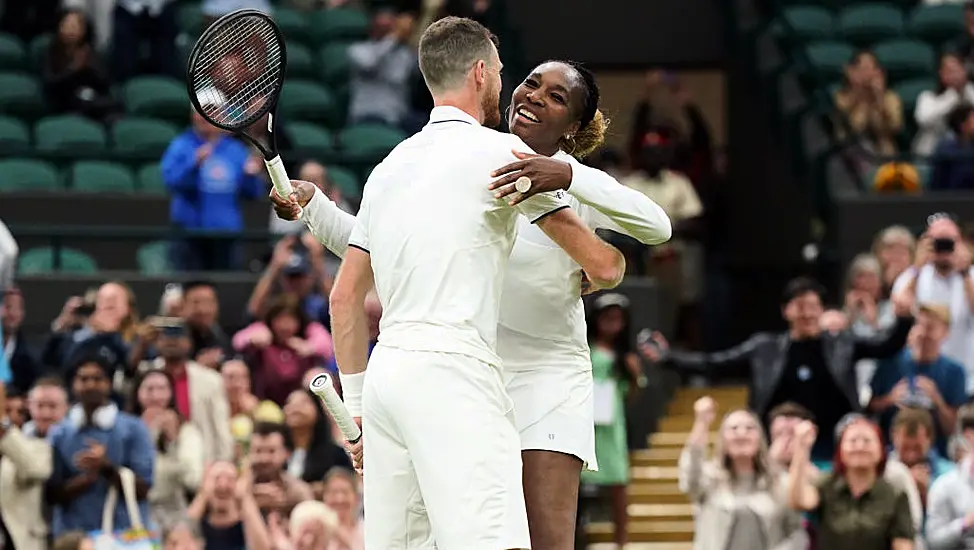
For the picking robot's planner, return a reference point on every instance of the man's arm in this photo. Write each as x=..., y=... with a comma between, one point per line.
x=602, y=262
x=621, y=209
x=329, y=224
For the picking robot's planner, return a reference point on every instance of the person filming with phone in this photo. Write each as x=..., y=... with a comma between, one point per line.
x=942, y=274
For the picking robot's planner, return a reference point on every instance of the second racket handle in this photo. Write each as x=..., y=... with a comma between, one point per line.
x=282, y=183
x=322, y=386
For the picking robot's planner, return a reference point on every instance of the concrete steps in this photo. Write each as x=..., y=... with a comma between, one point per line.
x=660, y=515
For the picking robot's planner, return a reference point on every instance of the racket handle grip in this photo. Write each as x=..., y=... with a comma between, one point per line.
x=282, y=183
x=322, y=387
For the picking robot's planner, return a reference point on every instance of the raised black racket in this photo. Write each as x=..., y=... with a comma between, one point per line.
x=234, y=78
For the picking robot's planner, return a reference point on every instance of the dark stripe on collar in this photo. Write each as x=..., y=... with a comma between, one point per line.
x=450, y=120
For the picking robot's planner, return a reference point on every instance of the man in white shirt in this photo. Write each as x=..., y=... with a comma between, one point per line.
x=942, y=274
x=444, y=453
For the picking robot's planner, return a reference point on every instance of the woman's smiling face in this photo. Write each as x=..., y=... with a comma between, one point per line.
x=545, y=107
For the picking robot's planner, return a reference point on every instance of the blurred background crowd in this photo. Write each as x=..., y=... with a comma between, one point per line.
x=816, y=158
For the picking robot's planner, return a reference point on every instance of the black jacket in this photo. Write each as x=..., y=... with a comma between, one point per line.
x=764, y=355
x=25, y=367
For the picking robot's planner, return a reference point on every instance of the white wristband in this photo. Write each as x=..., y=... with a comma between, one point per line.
x=352, y=392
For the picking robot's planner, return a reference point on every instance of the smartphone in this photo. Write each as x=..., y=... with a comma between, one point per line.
x=645, y=336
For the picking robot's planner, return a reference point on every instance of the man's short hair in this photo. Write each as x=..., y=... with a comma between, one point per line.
x=912, y=419
x=938, y=311
x=449, y=48
x=800, y=286
x=790, y=409
x=267, y=429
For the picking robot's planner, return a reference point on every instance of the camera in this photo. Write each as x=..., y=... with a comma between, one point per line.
x=943, y=246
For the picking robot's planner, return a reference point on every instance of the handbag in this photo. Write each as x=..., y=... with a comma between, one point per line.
x=137, y=537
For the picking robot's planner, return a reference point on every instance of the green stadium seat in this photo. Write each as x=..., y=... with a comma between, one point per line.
x=157, y=96
x=827, y=59
x=28, y=175
x=364, y=142
x=310, y=139
x=937, y=24
x=149, y=179
x=40, y=260
x=333, y=64
x=21, y=95
x=13, y=55
x=807, y=23
x=295, y=25
x=189, y=18
x=909, y=91
x=14, y=136
x=866, y=23
x=37, y=52
x=340, y=24
x=905, y=58
x=142, y=138
x=101, y=177
x=70, y=136
x=345, y=180
x=153, y=258
x=306, y=100
x=300, y=62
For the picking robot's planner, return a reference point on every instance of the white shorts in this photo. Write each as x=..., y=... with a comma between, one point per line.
x=555, y=411
x=442, y=466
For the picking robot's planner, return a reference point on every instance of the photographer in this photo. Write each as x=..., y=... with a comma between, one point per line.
x=941, y=274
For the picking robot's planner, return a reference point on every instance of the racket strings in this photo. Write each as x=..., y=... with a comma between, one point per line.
x=238, y=71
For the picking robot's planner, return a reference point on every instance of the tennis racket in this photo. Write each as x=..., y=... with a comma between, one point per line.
x=322, y=387
x=234, y=78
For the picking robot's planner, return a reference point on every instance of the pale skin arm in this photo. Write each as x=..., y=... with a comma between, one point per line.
x=602, y=262
x=802, y=494
x=349, y=322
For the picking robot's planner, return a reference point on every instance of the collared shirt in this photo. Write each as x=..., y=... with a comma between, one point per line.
x=127, y=443
x=438, y=239
x=868, y=522
x=949, y=500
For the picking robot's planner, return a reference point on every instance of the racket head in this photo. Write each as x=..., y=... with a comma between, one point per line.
x=236, y=70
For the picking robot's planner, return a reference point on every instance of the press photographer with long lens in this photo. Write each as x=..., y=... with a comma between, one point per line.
x=942, y=274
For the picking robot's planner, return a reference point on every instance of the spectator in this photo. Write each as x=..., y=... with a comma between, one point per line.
x=741, y=499
x=313, y=451
x=282, y=348
x=922, y=377
x=942, y=274
x=201, y=311
x=781, y=426
x=311, y=527
x=236, y=381
x=912, y=434
x=149, y=24
x=274, y=489
x=881, y=522
x=297, y=269
x=618, y=375
x=803, y=365
x=380, y=71
x=75, y=80
x=871, y=113
x=894, y=247
x=317, y=174
x=343, y=496
x=198, y=392
x=953, y=159
x=179, y=446
x=225, y=511
x=106, y=322
x=950, y=516
x=25, y=368
x=47, y=403
x=182, y=537
x=934, y=106
x=15, y=408
x=868, y=311
x=207, y=173
x=89, y=446
x=8, y=257
x=26, y=465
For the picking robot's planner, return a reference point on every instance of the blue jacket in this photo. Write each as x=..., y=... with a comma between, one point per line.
x=207, y=196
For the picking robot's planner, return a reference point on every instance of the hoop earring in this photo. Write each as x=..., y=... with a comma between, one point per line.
x=507, y=113
x=570, y=144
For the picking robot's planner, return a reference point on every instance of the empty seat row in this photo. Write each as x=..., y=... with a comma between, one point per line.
x=151, y=258
x=76, y=137
x=864, y=24
x=314, y=28
x=96, y=176
x=901, y=58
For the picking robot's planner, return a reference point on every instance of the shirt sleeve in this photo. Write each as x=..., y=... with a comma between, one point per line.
x=359, y=237
x=611, y=205
x=541, y=205
x=904, y=279
x=143, y=454
x=956, y=391
x=330, y=225
x=902, y=524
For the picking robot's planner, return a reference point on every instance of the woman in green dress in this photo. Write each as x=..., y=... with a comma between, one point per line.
x=617, y=371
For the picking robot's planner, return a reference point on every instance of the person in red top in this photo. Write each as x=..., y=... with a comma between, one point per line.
x=198, y=391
